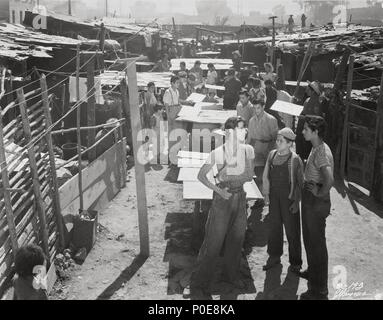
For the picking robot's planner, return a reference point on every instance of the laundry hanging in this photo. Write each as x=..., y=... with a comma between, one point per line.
x=148, y=40
x=83, y=90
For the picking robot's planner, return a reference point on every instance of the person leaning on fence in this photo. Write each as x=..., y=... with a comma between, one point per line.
x=30, y=267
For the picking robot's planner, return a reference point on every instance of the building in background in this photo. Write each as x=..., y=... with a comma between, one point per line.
x=17, y=9
x=4, y=10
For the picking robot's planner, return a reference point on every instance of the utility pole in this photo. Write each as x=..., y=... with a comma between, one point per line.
x=273, y=39
x=106, y=8
x=70, y=7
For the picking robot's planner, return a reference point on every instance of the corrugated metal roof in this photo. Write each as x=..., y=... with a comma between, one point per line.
x=19, y=43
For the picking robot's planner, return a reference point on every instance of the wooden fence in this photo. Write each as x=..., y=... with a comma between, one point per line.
x=32, y=207
x=29, y=205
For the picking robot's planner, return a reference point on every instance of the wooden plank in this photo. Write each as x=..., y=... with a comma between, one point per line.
x=191, y=174
x=91, y=109
x=196, y=97
x=346, y=117
x=195, y=190
x=139, y=167
x=287, y=107
x=52, y=162
x=6, y=193
x=192, y=155
x=33, y=167
x=214, y=87
x=98, y=178
x=190, y=163
x=78, y=125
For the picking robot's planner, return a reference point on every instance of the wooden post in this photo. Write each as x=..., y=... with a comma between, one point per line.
x=378, y=176
x=125, y=48
x=52, y=162
x=305, y=63
x=273, y=40
x=343, y=156
x=102, y=38
x=91, y=109
x=78, y=123
x=40, y=205
x=6, y=192
x=120, y=134
x=341, y=70
x=131, y=108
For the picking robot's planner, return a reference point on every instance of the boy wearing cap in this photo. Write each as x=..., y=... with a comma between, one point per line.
x=316, y=205
x=282, y=185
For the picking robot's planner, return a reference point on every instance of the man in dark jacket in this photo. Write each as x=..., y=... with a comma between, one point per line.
x=232, y=88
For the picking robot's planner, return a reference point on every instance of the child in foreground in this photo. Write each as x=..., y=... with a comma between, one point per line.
x=29, y=263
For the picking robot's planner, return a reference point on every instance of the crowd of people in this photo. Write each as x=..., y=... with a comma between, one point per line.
x=292, y=165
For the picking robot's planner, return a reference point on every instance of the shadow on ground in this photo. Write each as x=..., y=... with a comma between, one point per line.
x=181, y=255
x=123, y=278
x=357, y=196
x=274, y=289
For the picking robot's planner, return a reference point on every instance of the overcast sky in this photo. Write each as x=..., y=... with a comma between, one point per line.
x=188, y=6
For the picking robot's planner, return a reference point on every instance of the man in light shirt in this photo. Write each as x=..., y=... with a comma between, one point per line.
x=172, y=104
x=316, y=205
x=245, y=109
x=263, y=130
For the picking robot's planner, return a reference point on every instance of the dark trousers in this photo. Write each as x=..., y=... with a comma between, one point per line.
x=230, y=102
x=225, y=229
x=314, y=213
x=280, y=216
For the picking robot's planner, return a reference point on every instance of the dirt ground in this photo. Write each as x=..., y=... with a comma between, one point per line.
x=114, y=270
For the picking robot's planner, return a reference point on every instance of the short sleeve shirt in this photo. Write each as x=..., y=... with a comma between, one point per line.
x=320, y=157
x=245, y=152
x=171, y=97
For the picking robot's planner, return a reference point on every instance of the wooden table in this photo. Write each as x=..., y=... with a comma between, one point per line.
x=190, y=164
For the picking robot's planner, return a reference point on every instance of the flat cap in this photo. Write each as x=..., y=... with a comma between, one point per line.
x=287, y=133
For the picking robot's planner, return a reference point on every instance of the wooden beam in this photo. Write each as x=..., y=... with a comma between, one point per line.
x=6, y=192
x=378, y=184
x=78, y=125
x=305, y=64
x=133, y=110
x=102, y=37
x=343, y=156
x=91, y=109
x=34, y=172
x=52, y=162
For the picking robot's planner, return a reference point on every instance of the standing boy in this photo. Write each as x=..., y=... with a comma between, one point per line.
x=318, y=181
